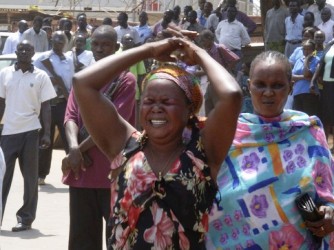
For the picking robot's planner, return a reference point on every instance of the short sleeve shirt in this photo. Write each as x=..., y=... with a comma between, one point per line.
x=144, y=32
x=63, y=68
x=122, y=31
x=232, y=34
x=96, y=176
x=294, y=29
x=23, y=92
x=303, y=86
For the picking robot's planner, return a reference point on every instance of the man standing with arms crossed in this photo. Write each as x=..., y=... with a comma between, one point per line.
x=25, y=92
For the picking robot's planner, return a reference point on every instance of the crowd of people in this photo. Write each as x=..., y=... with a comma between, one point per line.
x=172, y=138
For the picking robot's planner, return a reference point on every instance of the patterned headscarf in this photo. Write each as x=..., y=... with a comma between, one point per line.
x=186, y=81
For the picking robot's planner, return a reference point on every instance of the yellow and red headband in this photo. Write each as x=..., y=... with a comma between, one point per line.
x=189, y=83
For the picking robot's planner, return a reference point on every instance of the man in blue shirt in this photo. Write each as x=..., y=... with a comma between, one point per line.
x=60, y=69
x=143, y=29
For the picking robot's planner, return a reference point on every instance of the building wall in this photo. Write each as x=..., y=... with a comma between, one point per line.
x=116, y=5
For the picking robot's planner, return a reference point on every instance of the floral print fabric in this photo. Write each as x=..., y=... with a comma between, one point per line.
x=269, y=164
x=167, y=213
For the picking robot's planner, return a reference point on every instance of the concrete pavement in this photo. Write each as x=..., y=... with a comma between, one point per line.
x=50, y=228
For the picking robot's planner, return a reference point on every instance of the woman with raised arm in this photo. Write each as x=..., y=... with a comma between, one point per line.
x=163, y=179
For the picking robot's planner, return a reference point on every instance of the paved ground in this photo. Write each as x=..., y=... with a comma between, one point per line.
x=50, y=229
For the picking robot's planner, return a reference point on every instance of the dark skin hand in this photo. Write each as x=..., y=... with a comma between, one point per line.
x=45, y=141
x=176, y=55
x=325, y=226
x=73, y=161
x=76, y=160
x=181, y=33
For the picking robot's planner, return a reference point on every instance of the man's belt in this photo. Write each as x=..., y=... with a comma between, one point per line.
x=294, y=41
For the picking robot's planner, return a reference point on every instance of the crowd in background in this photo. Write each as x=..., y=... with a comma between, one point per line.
x=302, y=30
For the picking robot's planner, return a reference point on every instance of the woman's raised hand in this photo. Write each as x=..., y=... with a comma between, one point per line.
x=173, y=49
x=186, y=34
x=162, y=50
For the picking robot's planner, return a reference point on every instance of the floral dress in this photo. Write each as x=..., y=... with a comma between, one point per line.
x=170, y=212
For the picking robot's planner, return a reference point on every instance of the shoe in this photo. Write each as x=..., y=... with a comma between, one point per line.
x=21, y=227
x=41, y=181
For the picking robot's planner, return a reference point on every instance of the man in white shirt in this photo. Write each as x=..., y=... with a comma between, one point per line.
x=81, y=58
x=214, y=19
x=25, y=92
x=293, y=28
x=316, y=9
x=13, y=40
x=327, y=24
x=123, y=28
x=36, y=36
x=233, y=34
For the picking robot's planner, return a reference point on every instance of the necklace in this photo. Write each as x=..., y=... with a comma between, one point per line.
x=162, y=171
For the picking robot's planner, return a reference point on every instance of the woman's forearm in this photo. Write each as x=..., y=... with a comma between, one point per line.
x=223, y=117
x=307, y=73
x=222, y=81
x=316, y=74
x=298, y=77
x=102, y=72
